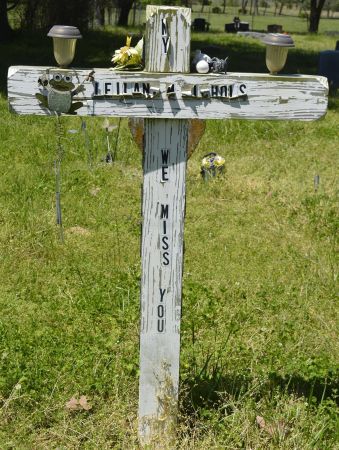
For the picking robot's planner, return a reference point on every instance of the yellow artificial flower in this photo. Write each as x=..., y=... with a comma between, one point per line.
x=210, y=161
x=128, y=57
x=219, y=161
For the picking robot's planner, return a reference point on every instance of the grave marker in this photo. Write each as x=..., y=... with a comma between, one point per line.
x=166, y=95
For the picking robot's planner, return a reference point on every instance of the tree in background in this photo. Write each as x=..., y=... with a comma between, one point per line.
x=331, y=7
x=42, y=14
x=124, y=8
x=5, y=7
x=204, y=3
x=316, y=7
x=264, y=4
x=254, y=7
x=99, y=7
x=243, y=8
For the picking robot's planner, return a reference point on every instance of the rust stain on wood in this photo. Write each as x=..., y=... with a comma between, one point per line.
x=196, y=129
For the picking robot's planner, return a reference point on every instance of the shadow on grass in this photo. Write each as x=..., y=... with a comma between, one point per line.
x=204, y=391
x=36, y=49
x=249, y=56
x=97, y=48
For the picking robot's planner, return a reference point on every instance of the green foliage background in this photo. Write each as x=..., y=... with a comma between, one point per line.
x=260, y=318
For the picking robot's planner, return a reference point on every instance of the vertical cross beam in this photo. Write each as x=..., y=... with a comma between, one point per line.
x=165, y=152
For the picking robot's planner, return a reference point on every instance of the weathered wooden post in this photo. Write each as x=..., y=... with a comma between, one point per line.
x=166, y=95
x=167, y=49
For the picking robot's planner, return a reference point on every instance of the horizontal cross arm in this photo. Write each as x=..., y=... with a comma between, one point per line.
x=170, y=95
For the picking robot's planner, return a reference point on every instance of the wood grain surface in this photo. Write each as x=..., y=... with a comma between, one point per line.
x=268, y=97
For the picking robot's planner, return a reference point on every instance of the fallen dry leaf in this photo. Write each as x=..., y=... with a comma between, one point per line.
x=260, y=421
x=271, y=430
x=79, y=230
x=278, y=428
x=84, y=403
x=72, y=404
x=75, y=405
x=95, y=191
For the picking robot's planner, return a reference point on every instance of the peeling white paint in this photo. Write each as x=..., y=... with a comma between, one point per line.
x=165, y=154
x=304, y=97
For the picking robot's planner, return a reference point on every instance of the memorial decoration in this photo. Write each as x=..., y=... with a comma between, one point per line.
x=57, y=170
x=64, y=42
x=204, y=63
x=202, y=66
x=277, y=46
x=212, y=164
x=166, y=96
x=111, y=154
x=127, y=57
x=57, y=92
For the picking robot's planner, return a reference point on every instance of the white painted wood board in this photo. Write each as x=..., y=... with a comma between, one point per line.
x=165, y=155
x=161, y=283
x=168, y=38
x=269, y=97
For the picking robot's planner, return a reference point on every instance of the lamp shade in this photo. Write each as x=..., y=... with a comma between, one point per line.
x=64, y=41
x=277, y=46
x=278, y=39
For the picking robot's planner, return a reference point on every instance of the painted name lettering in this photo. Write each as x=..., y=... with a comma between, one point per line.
x=164, y=238
x=228, y=91
x=124, y=88
x=164, y=35
x=164, y=212
x=161, y=312
x=146, y=90
x=164, y=167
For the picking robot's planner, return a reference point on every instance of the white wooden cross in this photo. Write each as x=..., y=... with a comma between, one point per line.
x=165, y=95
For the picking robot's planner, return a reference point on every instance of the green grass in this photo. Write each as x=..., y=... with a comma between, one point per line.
x=290, y=23
x=290, y=20
x=260, y=319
